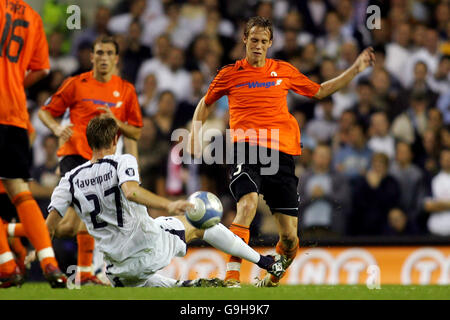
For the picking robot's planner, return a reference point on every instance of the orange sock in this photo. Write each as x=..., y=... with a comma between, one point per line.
x=290, y=253
x=234, y=263
x=20, y=251
x=86, y=245
x=16, y=230
x=7, y=263
x=35, y=228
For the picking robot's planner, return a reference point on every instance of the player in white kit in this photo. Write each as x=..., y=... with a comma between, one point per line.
x=106, y=195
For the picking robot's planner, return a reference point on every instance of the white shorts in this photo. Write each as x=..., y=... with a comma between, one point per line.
x=135, y=271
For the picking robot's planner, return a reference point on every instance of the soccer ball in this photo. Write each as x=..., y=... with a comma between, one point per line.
x=207, y=210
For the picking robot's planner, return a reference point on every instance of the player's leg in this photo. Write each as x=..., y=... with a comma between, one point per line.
x=71, y=225
x=245, y=213
x=220, y=237
x=280, y=193
x=35, y=228
x=10, y=274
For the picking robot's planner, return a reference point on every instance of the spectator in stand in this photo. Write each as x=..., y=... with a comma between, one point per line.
x=84, y=58
x=90, y=34
x=353, y=159
x=156, y=63
x=385, y=97
x=314, y=13
x=438, y=205
x=428, y=159
x=58, y=60
x=376, y=202
x=174, y=77
x=445, y=136
x=119, y=24
x=429, y=54
x=364, y=107
x=444, y=105
x=326, y=196
x=135, y=53
x=148, y=99
x=411, y=182
x=330, y=43
x=435, y=120
x=161, y=127
x=398, y=52
x=322, y=129
x=290, y=47
x=196, y=53
x=419, y=84
x=308, y=59
x=220, y=32
x=411, y=124
x=186, y=107
x=342, y=135
x=294, y=21
x=441, y=17
x=439, y=82
x=380, y=140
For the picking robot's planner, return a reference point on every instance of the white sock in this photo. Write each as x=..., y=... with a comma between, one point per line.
x=222, y=238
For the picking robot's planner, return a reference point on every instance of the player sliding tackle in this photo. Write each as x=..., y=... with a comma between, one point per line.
x=107, y=197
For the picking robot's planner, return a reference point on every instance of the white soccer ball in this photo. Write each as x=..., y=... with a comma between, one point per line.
x=207, y=210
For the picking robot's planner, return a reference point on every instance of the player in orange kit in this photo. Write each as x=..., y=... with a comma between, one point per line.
x=86, y=96
x=257, y=88
x=24, y=60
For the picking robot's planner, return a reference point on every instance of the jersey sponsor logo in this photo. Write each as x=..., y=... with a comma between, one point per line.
x=101, y=102
x=81, y=183
x=130, y=172
x=257, y=84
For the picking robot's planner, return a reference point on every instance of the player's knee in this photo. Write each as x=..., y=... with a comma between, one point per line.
x=247, y=205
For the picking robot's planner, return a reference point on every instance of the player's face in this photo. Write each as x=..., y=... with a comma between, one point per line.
x=256, y=45
x=105, y=58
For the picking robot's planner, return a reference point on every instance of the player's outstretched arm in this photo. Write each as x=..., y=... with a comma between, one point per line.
x=202, y=112
x=364, y=60
x=136, y=193
x=52, y=222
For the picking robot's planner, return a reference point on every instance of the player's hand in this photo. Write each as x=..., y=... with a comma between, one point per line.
x=64, y=132
x=107, y=111
x=179, y=207
x=365, y=59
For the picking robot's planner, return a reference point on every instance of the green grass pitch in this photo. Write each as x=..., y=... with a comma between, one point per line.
x=42, y=291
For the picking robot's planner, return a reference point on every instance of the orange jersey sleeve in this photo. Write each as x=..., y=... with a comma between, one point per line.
x=219, y=85
x=257, y=102
x=23, y=47
x=83, y=95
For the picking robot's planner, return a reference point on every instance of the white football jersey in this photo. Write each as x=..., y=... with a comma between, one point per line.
x=121, y=228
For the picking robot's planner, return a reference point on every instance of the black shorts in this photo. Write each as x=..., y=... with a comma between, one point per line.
x=70, y=162
x=8, y=210
x=15, y=159
x=279, y=188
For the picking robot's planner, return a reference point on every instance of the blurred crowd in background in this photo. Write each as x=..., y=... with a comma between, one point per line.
x=376, y=155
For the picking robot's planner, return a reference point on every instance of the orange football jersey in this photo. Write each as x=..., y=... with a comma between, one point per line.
x=82, y=95
x=23, y=47
x=257, y=100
